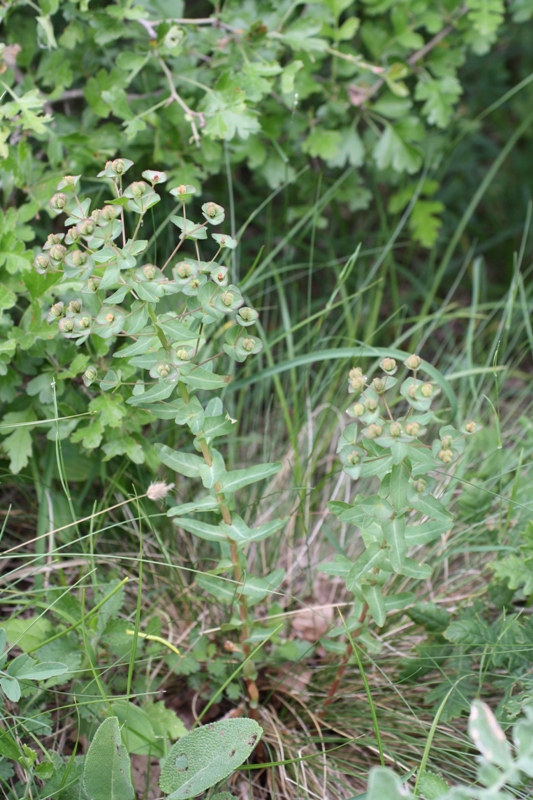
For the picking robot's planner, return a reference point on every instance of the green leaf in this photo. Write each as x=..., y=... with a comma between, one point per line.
x=11, y=688
x=486, y=17
x=136, y=729
x=372, y=557
x=429, y=505
x=413, y=569
x=238, y=478
x=399, y=481
x=28, y=107
x=339, y=566
x=488, y=737
x=26, y=668
x=440, y=95
x=394, y=150
x=18, y=444
x=468, y=631
x=434, y=618
x=165, y=721
x=200, y=378
x=111, y=409
x=415, y=535
x=106, y=774
x=189, y=229
x=322, y=143
x=350, y=150
x=176, y=330
x=431, y=785
x=7, y=298
x=184, y=463
x=223, y=589
x=207, y=503
x=516, y=572
x=220, y=425
x=9, y=747
x=256, y=589
x=376, y=605
x=160, y=391
x=228, y=115
x=300, y=36
x=383, y=783
x=28, y=633
x=207, y=755
x=289, y=74
x=394, y=532
x=242, y=534
x=212, y=533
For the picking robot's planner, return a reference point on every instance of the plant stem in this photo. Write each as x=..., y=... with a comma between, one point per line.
x=253, y=692
x=344, y=663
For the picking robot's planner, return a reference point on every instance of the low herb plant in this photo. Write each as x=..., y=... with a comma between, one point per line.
x=198, y=761
x=501, y=766
x=150, y=338
x=388, y=442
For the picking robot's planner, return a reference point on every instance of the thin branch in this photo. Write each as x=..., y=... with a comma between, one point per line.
x=175, y=97
x=216, y=23
x=359, y=94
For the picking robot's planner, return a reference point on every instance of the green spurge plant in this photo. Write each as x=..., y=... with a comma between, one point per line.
x=387, y=442
x=152, y=333
x=498, y=766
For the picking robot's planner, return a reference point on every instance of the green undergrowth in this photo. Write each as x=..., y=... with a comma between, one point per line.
x=110, y=607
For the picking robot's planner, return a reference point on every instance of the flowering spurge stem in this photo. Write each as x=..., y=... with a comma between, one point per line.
x=332, y=692
x=386, y=442
x=253, y=693
x=162, y=331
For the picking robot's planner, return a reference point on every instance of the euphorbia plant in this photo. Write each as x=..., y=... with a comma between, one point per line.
x=153, y=331
x=388, y=442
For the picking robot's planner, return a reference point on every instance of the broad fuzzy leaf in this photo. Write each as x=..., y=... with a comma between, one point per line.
x=106, y=775
x=207, y=755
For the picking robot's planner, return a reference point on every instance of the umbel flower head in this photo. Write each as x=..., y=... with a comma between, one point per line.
x=158, y=490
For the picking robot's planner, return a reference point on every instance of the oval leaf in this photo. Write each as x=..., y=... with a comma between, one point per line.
x=106, y=773
x=207, y=755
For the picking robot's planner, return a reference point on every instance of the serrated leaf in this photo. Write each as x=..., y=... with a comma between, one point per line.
x=468, y=631
x=394, y=150
x=18, y=443
x=440, y=97
x=434, y=618
x=431, y=785
x=207, y=755
x=106, y=773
